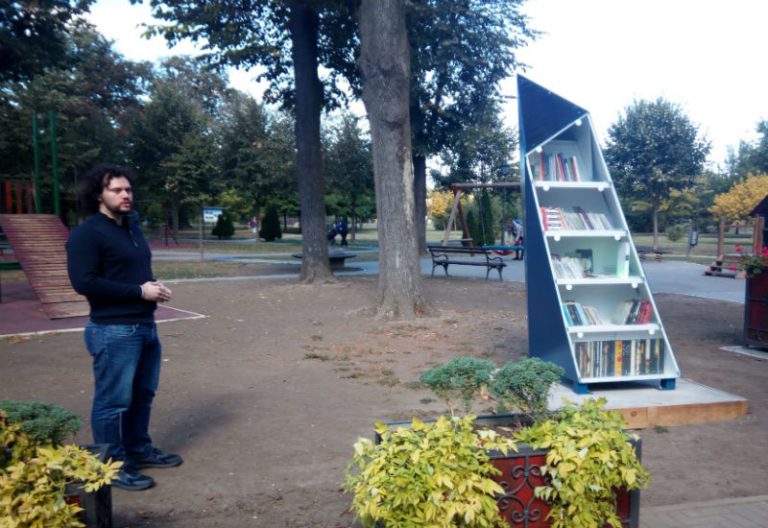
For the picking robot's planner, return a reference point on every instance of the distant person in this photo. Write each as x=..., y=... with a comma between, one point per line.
x=331, y=234
x=253, y=225
x=109, y=262
x=343, y=228
x=517, y=233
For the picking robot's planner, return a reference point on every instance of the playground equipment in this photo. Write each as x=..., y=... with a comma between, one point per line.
x=38, y=240
x=457, y=209
x=38, y=246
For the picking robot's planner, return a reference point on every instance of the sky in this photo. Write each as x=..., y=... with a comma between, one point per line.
x=707, y=56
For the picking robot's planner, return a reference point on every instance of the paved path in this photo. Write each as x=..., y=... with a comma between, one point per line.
x=679, y=277
x=744, y=512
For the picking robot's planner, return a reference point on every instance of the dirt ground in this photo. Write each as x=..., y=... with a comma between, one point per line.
x=266, y=396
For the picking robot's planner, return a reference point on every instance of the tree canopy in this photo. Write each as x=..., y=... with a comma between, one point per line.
x=34, y=35
x=653, y=149
x=742, y=198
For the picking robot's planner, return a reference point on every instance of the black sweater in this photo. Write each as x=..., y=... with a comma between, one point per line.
x=108, y=263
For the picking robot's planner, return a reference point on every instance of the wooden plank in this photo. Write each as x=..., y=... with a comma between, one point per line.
x=38, y=243
x=684, y=414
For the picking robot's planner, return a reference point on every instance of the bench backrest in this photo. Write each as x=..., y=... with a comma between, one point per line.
x=458, y=250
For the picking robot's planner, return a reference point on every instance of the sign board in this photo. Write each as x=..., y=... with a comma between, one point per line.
x=211, y=214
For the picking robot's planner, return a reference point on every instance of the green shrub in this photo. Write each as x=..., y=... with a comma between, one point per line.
x=675, y=232
x=428, y=474
x=460, y=378
x=589, y=458
x=270, y=225
x=43, y=423
x=524, y=385
x=224, y=227
x=33, y=479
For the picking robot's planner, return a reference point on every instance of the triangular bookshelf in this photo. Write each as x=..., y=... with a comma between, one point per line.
x=590, y=309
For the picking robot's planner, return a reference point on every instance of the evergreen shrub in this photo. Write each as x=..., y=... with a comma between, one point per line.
x=270, y=225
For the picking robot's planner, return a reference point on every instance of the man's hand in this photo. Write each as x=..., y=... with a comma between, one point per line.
x=155, y=291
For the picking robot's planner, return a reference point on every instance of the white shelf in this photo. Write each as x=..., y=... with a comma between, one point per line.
x=628, y=377
x=651, y=328
x=634, y=281
x=617, y=234
x=547, y=185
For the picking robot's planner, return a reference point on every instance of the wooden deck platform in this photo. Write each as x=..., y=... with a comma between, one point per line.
x=644, y=406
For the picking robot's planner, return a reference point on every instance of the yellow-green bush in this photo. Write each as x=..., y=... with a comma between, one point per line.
x=33, y=480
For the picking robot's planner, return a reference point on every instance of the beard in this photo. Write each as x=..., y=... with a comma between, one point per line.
x=119, y=210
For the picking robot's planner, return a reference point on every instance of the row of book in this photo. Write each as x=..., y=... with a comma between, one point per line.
x=636, y=311
x=628, y=357
x=557, y=218
x=577, y=314
x=555, y=167
x=569, y=267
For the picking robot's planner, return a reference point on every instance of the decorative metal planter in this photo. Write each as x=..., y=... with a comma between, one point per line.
x=96, y=505
x=521, y=473
x=756, y=309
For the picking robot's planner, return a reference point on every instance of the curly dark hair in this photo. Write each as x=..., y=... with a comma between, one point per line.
x=91, y=186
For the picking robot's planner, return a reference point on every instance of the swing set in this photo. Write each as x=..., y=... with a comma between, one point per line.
x=458, y=210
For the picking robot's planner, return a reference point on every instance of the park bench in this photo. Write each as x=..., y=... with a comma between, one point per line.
x=464, y=256
x=644, y=252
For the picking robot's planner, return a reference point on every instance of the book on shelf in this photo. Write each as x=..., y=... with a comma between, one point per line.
x=580, y=315
x=616, y=358
x=555, y=167
x=567, y=267
x=634, y=311
x=557, y=218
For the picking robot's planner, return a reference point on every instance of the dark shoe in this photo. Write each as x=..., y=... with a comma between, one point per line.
x=131, y=480
x=155, y=459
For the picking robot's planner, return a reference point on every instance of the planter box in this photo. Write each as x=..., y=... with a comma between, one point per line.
x=521, y=473
x=97, y=505
x=756, y=310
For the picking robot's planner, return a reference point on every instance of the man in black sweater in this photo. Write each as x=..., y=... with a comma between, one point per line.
x=110, y=263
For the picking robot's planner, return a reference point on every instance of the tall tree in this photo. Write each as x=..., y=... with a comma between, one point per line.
x=461, y=50
x=652, y=149
x=290, y=38
x=34, y=35
x=751, y=157
x=173, y=150
x=95, y=93
x=385, y=69
x=350, y=171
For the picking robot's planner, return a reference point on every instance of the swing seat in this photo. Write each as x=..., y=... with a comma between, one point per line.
x=504, y=250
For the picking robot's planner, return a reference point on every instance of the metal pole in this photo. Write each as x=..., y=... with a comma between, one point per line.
x=202, y=227
x=36, y=154
x=54, y=164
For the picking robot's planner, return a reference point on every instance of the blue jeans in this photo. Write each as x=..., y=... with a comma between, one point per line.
x=126, y=371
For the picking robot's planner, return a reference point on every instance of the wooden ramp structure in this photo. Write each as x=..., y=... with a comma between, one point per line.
x=725, y=266
x=38, y=243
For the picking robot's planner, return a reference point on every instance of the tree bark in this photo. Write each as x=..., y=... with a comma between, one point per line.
x=420, y=201
x=655, y=216
x=303, y=24
x=385, y=69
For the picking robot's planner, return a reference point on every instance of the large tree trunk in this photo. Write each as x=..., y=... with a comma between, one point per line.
x=385, y=68
x=309, y=101
x=420, y=201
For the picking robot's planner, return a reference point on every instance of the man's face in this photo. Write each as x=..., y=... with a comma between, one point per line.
x=116, y=199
